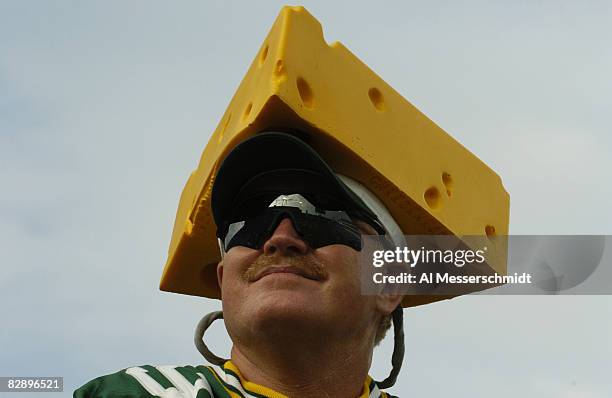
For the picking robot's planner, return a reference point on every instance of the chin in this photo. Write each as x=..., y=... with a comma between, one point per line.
x=286, y=308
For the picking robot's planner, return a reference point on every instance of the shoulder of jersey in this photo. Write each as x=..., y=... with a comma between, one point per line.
x=148, y=381
x=156, y=381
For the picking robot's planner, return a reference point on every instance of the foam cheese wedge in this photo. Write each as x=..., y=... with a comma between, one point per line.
x=362, y=127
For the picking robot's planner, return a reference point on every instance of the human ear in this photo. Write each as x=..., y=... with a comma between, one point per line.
x=220, y=273
x=386, y=303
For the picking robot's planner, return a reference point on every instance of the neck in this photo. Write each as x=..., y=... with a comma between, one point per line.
x=306, y=368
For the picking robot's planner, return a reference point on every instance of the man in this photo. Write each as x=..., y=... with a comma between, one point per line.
x=289, y=232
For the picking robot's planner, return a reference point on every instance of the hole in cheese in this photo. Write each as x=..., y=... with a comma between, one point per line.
x=305, y=92
x=432, y=197
x=377, y=99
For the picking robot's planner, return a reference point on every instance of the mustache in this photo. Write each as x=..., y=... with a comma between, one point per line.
x=310, y=266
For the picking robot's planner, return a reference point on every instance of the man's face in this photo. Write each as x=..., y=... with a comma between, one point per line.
x=287, y=286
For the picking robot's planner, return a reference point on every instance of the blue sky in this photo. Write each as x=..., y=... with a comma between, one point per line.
x=105, y=108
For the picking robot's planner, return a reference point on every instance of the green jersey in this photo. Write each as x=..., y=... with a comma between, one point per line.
x=188, y=382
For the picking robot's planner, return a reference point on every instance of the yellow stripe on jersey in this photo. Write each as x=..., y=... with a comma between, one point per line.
x=231, y=379
x=252, y=387
x=222, y=383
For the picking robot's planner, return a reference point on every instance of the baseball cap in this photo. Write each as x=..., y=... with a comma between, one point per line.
x=271, y=163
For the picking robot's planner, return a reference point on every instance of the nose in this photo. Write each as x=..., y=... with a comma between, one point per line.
x=285, y=241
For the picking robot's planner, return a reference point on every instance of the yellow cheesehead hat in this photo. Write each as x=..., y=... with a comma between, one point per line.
x=361, y=127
